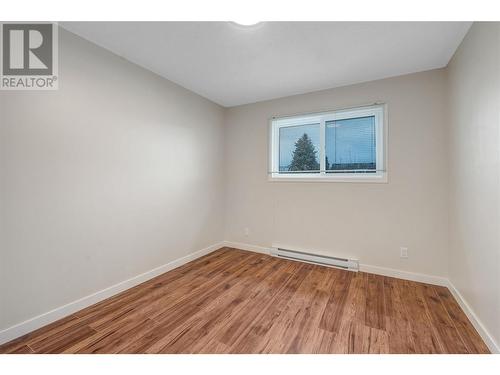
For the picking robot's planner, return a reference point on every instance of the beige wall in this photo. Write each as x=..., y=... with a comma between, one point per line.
x=474, y=110
x=116, y=173
x=363, y=220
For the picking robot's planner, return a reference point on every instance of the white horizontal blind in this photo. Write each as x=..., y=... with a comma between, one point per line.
x=350, y=145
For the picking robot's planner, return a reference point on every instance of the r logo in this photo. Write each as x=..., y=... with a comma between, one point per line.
x=27, y=49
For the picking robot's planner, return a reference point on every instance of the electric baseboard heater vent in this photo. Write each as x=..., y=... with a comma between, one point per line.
x=323, y=260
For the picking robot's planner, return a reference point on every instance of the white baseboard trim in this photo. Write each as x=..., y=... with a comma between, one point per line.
x=405, y=275
x=39, y=321
x=248, y=247
x=474, y=319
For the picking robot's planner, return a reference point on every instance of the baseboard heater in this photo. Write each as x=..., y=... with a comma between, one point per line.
x=323, y=260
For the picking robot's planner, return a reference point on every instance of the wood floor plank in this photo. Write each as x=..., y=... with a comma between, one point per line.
x=214, y=347
x=306, y=312
x=25, y=349
x=355, y=308
x=397, y=324
x=465, y=329
x=114, y=340
x=59, y=342
x=375, y=302
x=179, y=283
x=367, y=340
x=241, y=317
x=234, y=301
x=18, y=349
x=332, y=315
x=255, y=338
x=176, y=313
x=422, y=333
x=440, y=319
x=287, y=335
x=190, y=302
x=203, y=325
x=353, y=312
x=153, y=301
x=39, y=334
x=14, y=345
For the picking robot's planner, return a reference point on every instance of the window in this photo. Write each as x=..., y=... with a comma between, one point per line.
x=345, y=145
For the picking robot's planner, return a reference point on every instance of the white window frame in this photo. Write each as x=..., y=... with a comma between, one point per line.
x=379, y=111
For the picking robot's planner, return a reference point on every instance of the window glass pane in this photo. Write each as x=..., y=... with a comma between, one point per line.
x=299, y=148
x=350, y=145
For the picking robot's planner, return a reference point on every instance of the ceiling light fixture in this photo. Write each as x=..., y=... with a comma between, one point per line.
x=246, y=22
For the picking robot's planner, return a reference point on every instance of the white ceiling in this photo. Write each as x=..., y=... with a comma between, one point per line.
x=232, y=64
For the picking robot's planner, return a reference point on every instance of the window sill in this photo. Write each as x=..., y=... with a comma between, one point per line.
x=377, y=179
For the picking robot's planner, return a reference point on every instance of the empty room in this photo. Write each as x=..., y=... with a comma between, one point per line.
x=267, y=187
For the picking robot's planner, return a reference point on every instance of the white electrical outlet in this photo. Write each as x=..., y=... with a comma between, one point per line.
x=247, y=232
x=404, y=252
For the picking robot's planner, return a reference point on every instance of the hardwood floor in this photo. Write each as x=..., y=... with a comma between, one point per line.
x=232, y=301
